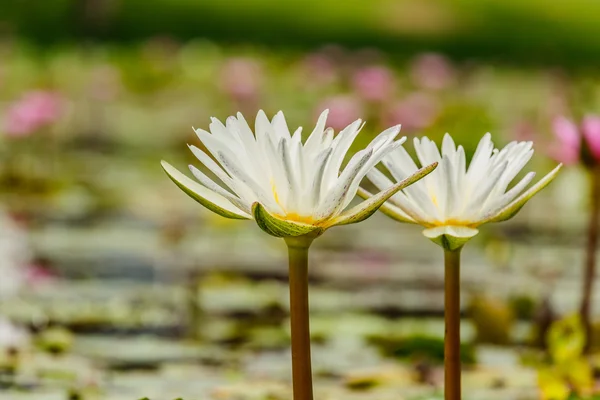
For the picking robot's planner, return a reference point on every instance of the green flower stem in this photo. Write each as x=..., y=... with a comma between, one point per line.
x=301, y=364
x=452, y=325
x=590, y=260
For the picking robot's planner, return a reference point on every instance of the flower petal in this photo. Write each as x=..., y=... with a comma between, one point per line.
x=368, y=207
x=450, y=237
x=211, y=200
x=510, y=210
x=388, y=208
x=278, y=227
x=333, y=201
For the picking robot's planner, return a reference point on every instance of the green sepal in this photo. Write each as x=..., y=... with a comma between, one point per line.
x=278, y=227
x=450, y=237
x=374, y=202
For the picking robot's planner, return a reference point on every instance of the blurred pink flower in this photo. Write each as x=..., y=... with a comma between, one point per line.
x=320, y=69
x=567, y=148
x=33, y=111
x=374, y=83
x=432, y=71
x=524, y=131
x=38, y=274
x=590, y=127
x=241, y=78
x=415, y=111
x=343, y=110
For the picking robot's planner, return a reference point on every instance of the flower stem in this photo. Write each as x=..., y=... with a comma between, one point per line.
x=452, y=325
x=590, y=260
x=300, y=329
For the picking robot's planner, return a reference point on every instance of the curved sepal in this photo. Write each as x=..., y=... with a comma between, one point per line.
x=278, y=227
x=209, y=199
x=450, y=237
x=513, y=208
x=388, y=209
x=375, y=202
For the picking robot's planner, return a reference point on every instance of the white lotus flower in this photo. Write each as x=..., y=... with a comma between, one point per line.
x=454, y=200
x=290, y=188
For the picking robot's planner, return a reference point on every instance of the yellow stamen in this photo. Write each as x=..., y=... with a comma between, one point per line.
x=451, y=222
x=291, y=216
x=300, y=218
x=275, y=195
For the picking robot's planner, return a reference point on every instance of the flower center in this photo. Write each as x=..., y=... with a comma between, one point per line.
x=305, y=219
x=453, y=222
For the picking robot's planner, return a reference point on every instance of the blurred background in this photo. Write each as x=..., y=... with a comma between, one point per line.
x=114, y=285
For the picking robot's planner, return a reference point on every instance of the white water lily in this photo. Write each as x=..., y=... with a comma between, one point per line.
x=289, y=187
x=455, y=199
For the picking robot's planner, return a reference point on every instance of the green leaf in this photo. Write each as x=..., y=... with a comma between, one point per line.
x=209, y=199
x=374, y=202
x=278, y=227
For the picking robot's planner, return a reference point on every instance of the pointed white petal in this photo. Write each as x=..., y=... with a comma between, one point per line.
x=448, y=146
x=316, y=137
x=340, y=145
x=511, y=210
x=202, y=195
x=211, y=185
x=388, y=208
x=451, y=201
x=293, y=185
x=381, y=152
x=408, y=208
x=334, y=198
x=261, y=194
x=481, y=157
x=280, y=126
x=509, y=196
x=262, y=129
x=320, y=164
x=482, y=191
x=368, y=207
x=241, y=190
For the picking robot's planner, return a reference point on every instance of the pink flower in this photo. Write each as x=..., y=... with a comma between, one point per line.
x=416, y=111
x=33, y=111
x=320, y=69
x=524, y=131
x=38, y=274
x=590, y=127
x=432, y=71
x=241, y=78
x=343, y=110
x=567, y=148
x=375, y=83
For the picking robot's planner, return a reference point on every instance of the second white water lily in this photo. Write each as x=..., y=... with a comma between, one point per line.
x=455, y=199
x=289, y=187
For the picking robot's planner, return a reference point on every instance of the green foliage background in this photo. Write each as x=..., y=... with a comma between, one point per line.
x=531, y=31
